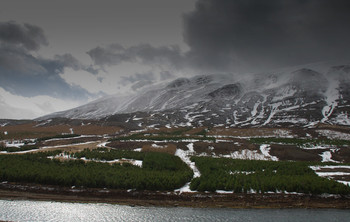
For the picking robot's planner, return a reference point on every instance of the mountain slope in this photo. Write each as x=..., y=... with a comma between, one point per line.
x=297, y=96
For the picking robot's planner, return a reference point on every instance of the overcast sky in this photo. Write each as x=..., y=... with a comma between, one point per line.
x=56, y=55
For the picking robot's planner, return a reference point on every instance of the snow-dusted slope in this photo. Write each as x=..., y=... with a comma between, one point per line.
x=179, y=93
x=301, y=95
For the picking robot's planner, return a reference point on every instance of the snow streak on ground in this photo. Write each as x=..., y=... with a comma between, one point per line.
x=68, y=138
x=14, y=144
x=131, y=161
x=282, y=133
x=18, y=143
x=102, y=144
x=43, y=123
x=63, y=156
x=318, y=147
x=274, y=110
x=246, y=154
x=265, y=150
x=20, y=152
x=327, y=157
x=68, y=145
x=322, y=172
x=342, y=119
x=332, y=94
x=331, y=134
x=185, y=157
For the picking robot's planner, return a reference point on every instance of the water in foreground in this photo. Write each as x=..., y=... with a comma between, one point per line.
x=19, y=210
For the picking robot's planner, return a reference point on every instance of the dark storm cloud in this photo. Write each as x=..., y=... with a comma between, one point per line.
x=247, y=36
x=28, y=36
x=23, y=74
x=18, y=59
x=143, y=53
x=250, y=34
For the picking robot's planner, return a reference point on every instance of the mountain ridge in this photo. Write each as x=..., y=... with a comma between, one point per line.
x=301, y=96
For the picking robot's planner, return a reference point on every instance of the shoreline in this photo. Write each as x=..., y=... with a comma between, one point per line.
x=21, y=191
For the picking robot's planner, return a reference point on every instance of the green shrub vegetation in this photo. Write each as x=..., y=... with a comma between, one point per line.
x=300, y=142
x=105, y=154
x=160, y=171
x=151, y=160
x=165, y=137
x=241, y=176
x=60, y=136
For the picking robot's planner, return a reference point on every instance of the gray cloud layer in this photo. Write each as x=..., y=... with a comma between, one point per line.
x=248, y=36
x=143, y=53
x=23, y=74
x=222, y=36
x=234, y=34
x=28, y=36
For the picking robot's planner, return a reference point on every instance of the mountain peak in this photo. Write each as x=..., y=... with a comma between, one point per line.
x=302, y=96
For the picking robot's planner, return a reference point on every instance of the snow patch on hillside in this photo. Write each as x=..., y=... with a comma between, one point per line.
x=274, y=110
x=331, y=134
x=284, y=93
x=185, y=157
x=14, y=143
x=283, y=133
x=327, y=157
x=332, y=94
x=246, y=154
x=342, y=119
x=265, y=150
x=322, y=172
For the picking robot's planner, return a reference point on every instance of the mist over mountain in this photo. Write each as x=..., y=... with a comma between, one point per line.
x=304, y=95
x=49, y=64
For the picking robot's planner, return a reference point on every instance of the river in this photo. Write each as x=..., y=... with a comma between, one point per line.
x=22, y=210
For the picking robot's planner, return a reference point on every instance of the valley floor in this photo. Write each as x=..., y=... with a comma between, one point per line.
x=213, y=162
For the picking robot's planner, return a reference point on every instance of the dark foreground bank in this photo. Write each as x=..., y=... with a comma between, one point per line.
x=15, y=191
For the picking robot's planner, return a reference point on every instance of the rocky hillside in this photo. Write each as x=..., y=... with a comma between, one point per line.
x=299, y=96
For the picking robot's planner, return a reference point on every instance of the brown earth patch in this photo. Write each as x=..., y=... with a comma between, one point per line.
x=338, y=169
x=30, y=131
x=71, y=148
x=342, y=155
x=132, y=145
x=290, y=152
x=127, y=145
x=327, y=126
x=163, y=148
x=96, y=130
x=195, y=130
x=167, y=130
x=223, y=147
x=67, y=141
x=341, y=177
x=182, y=145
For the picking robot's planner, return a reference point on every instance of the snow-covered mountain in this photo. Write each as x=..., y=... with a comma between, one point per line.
x=300, y=96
